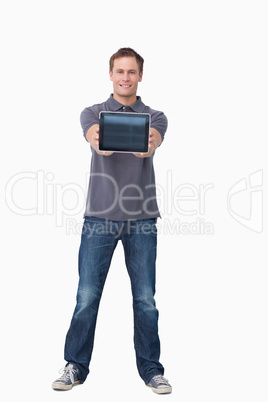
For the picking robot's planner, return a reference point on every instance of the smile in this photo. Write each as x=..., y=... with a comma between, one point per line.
x=125, y=86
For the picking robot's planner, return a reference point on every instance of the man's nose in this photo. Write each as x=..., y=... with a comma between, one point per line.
x=125, y=77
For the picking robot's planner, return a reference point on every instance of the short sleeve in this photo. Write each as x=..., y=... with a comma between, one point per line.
x=159, y=122
x=88, y=118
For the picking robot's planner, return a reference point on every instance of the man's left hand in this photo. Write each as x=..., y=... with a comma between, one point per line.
x=155, y=140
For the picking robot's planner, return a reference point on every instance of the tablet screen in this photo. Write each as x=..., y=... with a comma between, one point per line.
x=124, y=132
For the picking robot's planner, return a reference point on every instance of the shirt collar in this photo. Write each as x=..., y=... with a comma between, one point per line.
x=137, y=107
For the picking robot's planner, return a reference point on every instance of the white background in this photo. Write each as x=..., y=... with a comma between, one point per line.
x=206, y=68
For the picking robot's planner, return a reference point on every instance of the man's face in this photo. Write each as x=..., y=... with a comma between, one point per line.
x=125, y=77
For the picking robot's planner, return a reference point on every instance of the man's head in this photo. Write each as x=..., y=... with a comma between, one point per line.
x=126, y=52
x=126, y=70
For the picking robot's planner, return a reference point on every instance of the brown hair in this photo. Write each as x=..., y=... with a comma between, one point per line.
x=126, y=52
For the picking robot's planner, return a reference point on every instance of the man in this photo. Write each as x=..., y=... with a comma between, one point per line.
x=121, y=205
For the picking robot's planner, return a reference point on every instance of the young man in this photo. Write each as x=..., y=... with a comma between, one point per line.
x=121, y=205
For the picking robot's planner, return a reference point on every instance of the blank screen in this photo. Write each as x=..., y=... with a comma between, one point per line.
x=125, y=132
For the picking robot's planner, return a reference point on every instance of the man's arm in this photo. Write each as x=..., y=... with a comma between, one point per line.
x=154, y=142
x=92, y=136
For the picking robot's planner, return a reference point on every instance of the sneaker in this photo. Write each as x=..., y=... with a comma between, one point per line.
x=160, y=385
x=69, y=378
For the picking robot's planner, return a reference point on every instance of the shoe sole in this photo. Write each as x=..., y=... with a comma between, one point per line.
x=63, y=387
x=166, y=390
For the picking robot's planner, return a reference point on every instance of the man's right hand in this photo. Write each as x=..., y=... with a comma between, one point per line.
x=92, y=137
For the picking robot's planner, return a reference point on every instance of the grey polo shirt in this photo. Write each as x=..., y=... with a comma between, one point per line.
x=122, y=186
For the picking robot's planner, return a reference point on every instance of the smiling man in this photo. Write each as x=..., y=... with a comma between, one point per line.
x=125, y=75
x=121, y=205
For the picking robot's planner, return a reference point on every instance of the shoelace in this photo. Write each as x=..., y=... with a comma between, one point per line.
x=159, y=379
x=68, y=373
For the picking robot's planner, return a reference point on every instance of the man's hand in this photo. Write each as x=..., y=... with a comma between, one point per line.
x=155, y=140
x=92, y=137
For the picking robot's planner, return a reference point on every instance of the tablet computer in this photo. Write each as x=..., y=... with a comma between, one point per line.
x=124, y=132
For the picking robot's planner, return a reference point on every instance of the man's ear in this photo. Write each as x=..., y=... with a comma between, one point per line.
x=141, y=75
x=111, y=75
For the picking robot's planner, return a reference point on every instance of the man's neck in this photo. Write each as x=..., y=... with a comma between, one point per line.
x=125, y=100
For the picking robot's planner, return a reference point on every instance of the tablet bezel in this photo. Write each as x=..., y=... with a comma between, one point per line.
x=130, y=114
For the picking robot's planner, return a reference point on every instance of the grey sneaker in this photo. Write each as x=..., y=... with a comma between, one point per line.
x=160, y=385
x=69, y=378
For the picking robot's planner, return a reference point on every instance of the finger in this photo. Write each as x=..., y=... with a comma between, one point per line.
x=138, y=155
x=105, y=153
x=151, y=150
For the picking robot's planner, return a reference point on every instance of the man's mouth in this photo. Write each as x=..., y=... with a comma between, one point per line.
x=125, y=86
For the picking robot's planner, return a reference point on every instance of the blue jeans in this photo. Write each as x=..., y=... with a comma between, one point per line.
x=98, y=241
